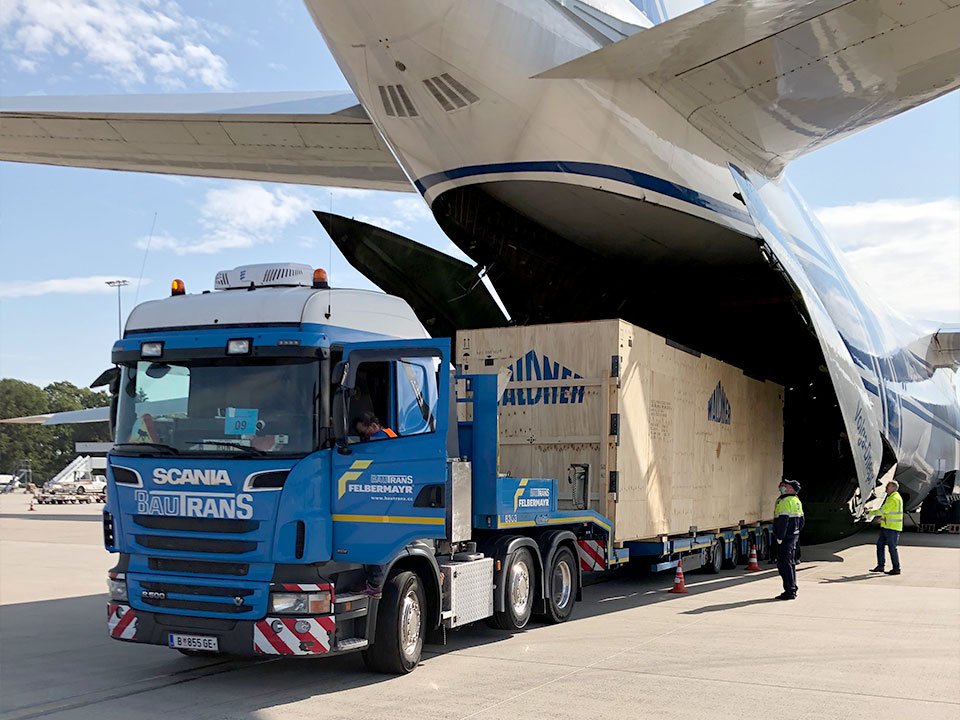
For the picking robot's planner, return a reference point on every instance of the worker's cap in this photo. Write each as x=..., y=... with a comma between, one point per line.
x=792, y=483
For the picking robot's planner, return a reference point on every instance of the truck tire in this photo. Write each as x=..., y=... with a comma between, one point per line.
x=81, y=490
x=398, y=641
x=735, y=555
x=561, y=586
x=715, y=562
x=518, y=578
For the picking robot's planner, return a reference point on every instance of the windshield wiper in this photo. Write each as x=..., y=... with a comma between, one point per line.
x=156, y=446
x=227, y=443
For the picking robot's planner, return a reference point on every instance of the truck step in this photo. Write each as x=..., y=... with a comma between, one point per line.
x=351, y=644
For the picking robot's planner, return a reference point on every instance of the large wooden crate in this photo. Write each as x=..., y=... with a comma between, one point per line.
x=671, y=440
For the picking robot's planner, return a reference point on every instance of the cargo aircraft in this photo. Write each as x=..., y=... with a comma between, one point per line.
x=595, y=165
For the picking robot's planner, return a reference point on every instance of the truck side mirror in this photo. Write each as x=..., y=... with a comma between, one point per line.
x=110, y=378
x=339, y=417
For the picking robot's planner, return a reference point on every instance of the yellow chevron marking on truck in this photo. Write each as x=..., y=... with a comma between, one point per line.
x=396, y=519
x=354, y=473
x=516, y=496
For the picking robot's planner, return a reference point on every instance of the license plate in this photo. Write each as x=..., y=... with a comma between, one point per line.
x=193, y=642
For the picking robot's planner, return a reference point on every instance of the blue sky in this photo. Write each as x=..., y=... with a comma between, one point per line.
x=890, y=195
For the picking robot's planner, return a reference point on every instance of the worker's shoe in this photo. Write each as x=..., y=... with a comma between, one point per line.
x=786, y=596
x=878, y=568
x=895, y=571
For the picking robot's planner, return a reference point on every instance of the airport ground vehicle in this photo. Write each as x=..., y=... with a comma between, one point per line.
x=250, y=517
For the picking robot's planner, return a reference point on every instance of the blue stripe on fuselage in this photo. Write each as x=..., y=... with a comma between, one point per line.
x=597, y=170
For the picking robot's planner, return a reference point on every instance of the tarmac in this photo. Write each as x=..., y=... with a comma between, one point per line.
x=853, y=645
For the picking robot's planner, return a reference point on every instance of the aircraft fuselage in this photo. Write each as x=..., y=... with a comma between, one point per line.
x=595, y=198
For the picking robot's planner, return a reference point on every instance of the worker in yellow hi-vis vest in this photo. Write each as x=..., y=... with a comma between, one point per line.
x=787, y=524
x=891, y=524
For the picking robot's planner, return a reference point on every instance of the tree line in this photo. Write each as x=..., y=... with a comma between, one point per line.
x=47, y=449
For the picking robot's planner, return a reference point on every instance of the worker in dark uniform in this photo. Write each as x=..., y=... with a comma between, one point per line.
x=369, y=428
x=787, y=524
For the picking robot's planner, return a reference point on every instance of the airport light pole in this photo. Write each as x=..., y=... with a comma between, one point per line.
x=118, y=284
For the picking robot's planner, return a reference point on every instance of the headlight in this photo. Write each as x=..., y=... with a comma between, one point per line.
x=117, y=589
x=315, y=603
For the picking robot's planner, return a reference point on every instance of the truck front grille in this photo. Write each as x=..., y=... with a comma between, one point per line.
x=188, y=524
x=181, y=596
x=194, y=544
x=199, y=567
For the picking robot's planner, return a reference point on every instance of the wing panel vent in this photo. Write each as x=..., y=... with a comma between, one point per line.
x=396, y=101
x=450, y=92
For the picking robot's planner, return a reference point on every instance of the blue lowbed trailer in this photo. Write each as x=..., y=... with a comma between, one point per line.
x=250, y=515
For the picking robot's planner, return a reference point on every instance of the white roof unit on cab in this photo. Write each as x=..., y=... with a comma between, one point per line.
x=265, y=275
x=279, y=293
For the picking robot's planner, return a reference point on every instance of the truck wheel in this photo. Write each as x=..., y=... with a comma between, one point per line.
x=561, y=586
x=400, y=627
x=715, y=562
x=81, y=490
x=734, y=555
x=518, y=579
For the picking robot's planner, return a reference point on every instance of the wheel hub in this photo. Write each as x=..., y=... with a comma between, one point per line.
x=562, y=585
x=519, y=587
x=410, y=622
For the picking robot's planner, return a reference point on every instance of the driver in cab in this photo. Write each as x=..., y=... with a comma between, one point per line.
x=369, y=428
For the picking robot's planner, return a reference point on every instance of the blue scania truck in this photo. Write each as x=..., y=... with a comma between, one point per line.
x=249, y=517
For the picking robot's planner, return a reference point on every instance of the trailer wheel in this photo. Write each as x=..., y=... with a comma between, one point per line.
x=763, y=545
x=735, y=555
x=715, y=562
x=561, y=586
x=518, y=577
x=398, y=641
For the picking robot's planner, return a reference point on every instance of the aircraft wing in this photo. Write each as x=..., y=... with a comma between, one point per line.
x=771, y=81
x=70, y=417
x=304, y=138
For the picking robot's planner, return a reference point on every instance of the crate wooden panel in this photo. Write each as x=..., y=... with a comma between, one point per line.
x=676, y=467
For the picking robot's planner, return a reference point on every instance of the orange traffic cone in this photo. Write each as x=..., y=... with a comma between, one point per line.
x=31, y=508
x=753, y=565
x=678, y=587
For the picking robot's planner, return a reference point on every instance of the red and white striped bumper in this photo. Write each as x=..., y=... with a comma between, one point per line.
x=294, y=636
x=593, y=555
x=121, y=621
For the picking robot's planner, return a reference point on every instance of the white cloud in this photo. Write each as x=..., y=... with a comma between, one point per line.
x=238, y=216
x=908, y=251
x=403, y=212
x=129, y=41
x=90, y=285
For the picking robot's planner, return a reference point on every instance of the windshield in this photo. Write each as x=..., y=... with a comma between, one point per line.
x=244, y=407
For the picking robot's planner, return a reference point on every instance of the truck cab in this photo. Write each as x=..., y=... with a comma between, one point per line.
x=228, y=487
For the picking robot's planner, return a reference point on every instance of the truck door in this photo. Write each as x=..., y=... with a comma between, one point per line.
x=388, y=488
